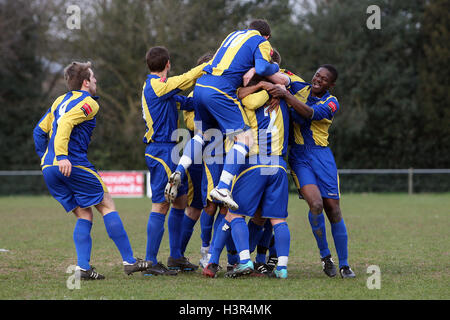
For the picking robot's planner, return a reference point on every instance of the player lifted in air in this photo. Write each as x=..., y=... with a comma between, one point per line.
x=217, y=105
x=260, y=184
x=61, y=139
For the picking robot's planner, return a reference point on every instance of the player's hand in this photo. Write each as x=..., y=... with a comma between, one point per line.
x=266, y=85
x=248, y=76
x=274, y=103
x=65, y=167
x=278, y=91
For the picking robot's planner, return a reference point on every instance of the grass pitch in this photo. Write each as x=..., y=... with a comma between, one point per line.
x=407, y=237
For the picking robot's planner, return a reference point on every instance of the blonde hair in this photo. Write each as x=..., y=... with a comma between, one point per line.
x=75, y=73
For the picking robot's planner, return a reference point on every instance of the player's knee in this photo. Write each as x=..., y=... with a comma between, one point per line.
x=83, y=213
x=334, y=214
x=316, y=206
x=193, y=213
x=162, y=207
x=180, y=202
x=210, y=208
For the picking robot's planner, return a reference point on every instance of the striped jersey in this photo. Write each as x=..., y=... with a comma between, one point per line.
x=314, y=131
x=270, y=131
x=65, y=131
x=160, y=104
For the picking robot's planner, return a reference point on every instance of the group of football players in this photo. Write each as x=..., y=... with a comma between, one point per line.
x=242, y=114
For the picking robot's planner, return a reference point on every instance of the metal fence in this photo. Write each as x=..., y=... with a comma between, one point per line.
x=410, y=181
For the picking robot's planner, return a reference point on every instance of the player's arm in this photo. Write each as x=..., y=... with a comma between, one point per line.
x=41, y=131
x=303, y=109
x=184, y=103
x=175, y=84
x=255, y=100
x=326, y=110
x=263, y=67
x=245, y=91
x=83, y=111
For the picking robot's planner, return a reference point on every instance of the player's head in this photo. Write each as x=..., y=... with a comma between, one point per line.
x=205, y=58
x=324, y=79
x=157, y=59
x=276, y=57
x=262, y=26
x=79, y=76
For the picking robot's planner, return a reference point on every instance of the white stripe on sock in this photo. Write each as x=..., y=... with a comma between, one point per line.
x=199, y=139
x=245, y=254
x=226, y=177
x=185, y=161
x=240, y=149
x=283, y=261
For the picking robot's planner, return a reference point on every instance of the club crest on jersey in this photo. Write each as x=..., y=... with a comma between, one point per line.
x=86, y=109
x=332, y=106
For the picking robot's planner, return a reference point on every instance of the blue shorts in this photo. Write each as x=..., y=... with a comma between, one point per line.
x=194, y=176
x=316, y=166
x=210, y=179
x=218, y=107
x=158, y=157
x=262, y=186
x=83, y=188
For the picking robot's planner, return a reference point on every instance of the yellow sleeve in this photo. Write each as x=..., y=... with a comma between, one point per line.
x=182, y=82
x=188, y=116
x=46, y=123
x=255, y=100
x=67, y=121
x=266, y=50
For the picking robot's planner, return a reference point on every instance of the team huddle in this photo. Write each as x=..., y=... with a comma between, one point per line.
x=245, y=116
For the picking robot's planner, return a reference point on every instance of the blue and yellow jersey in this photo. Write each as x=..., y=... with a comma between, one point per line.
x=270, y=131
x=239, y=52
x=188, y=117
x=65, y=131
x=314, y=131
x=160, y=103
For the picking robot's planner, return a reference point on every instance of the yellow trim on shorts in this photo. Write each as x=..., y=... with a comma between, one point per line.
x=255, y=167
x=237, y=102
x=190, y=194
x=295, y=178
x=105, y=188
x=166, y=167
x=210, y=182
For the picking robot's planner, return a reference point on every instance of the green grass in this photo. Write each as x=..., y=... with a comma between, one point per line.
x=406, y=236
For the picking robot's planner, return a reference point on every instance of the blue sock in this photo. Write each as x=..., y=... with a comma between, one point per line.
x=272, y=249
x=186, y=232
x=117, y=233
x=239, y=232
x=83, y=242
x=206, y=225
x=174, y=224
x=339, y=232
x=155, y=232
x=317, y=222
x=233, y=161
x=255, y=233
x=192, y=153
x=216, y=226
x=222, y=233
x=264, y=242
x=232, y=253
x=282, y=243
